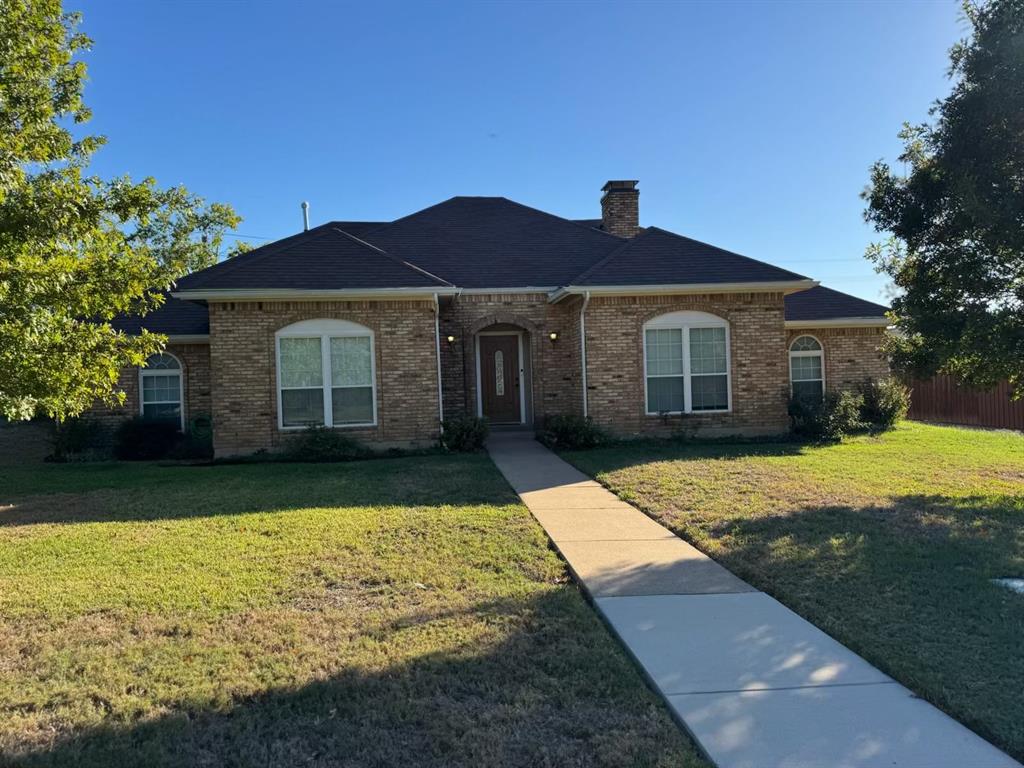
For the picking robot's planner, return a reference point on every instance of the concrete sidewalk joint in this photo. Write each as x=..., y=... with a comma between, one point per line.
x=755, y=685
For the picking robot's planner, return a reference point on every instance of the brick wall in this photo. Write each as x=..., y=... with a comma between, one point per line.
x=851, y=354
x=195, y=375
x=554, y=367
x=759, y=363
x=242, y=354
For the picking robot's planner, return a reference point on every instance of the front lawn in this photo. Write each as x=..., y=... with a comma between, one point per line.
x=392, y=612
x=887, y=543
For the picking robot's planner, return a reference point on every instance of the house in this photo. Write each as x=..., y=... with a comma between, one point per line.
x=481, y=305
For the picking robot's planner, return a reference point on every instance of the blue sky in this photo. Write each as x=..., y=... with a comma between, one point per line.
x=749, y=125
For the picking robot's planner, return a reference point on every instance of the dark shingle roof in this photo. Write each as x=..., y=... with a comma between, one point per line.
x=821, y=303
x=493, y=242
x=174, y=317
x=658, y=257
x=322, y=258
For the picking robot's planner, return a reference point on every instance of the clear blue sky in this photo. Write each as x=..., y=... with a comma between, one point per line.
x=749, y=125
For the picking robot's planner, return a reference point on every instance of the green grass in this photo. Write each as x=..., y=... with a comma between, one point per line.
x=887, y=543
x=393, y=612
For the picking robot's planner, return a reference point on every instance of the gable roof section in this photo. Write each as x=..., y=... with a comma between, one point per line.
x=322, y=259
x=821, y=303
x=659, y=257
x=174, y=317
x=493, y=242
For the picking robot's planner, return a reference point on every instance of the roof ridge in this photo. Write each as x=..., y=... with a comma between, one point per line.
x=611, y=256
x=560, y=218
x=725, y=250
x=410, y=215
x=230, y=265
x=396, y=259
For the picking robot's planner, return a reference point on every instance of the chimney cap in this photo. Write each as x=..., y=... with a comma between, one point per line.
x=615, y=184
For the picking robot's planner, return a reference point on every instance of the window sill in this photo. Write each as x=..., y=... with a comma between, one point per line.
x=366, y=425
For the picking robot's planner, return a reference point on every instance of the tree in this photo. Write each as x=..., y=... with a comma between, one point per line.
x=76, y=250
x=956, y=218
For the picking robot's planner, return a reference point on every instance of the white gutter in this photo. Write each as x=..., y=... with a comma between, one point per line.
x=778, y=286
x=583, y=348
x=225, y=294
x=437, y=348
x=841, y=322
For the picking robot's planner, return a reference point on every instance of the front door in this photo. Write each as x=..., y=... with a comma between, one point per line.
x=499, y=379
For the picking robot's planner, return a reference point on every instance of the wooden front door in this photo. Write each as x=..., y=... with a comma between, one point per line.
x=499, y=379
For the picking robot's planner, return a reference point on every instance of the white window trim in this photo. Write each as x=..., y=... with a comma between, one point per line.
x=325, y=330
x=807, y=353
x=684, y=321
x=144, y=372
x=522, y=373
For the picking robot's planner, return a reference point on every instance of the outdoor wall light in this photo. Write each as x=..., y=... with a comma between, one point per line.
x=553, y=336
x=451, y=339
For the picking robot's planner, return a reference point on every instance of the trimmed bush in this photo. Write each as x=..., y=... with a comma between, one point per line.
x=828, y=419
x=197, y=442
x=886, y=401
x=79, y=440
x=572, y=432
x=322, y=444
x=140, y=439
x=464, y=434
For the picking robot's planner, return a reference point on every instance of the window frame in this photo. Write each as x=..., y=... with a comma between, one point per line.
x=145, y=372
x=819, y=352
x=324, y=330
x=685, y=321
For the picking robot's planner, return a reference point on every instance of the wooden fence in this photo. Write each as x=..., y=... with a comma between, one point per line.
x=944, y=400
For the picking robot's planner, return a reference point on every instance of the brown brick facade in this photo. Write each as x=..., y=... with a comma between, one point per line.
x=234, y=377
x=851, y=354
x=759, y=371
x=195, y=375
x=553, y=370
x=243, y=358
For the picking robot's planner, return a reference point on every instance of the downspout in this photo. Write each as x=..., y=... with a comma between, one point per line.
x=437, y=349
x=583, y=348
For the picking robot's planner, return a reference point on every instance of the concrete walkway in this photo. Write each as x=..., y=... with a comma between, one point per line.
x=754, y=684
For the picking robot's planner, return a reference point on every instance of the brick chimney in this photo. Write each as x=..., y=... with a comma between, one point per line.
x=620, y=207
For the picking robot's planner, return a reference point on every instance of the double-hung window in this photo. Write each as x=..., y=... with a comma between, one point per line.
x=326, y=375
x=686, y=359
x=160, y=389
x=807, y=368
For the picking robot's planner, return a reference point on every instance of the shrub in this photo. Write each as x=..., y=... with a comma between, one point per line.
x=886, y=401
x=142, y=439
x=464, y=433
x=197, y=442
x=828, y=419
x=322, y=444
x=570, y=431
x=78, y=439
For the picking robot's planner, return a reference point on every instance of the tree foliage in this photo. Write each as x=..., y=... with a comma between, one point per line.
x=956, y=218
x=76, y=250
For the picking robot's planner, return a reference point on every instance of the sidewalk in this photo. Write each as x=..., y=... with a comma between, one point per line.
x=754, y=684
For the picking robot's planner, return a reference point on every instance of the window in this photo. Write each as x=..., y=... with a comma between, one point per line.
x=160, y=389
x=686, y=358
x=806, y=368
x=325, y=371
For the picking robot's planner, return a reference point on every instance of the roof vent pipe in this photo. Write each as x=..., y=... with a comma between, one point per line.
x=305, y=216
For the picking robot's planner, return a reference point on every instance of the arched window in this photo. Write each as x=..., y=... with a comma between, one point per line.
x=325, y=375
x=807, y=368
x=160, y=389
x=686, y=363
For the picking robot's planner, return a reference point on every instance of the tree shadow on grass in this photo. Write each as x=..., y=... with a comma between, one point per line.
x=549, y=689
x=119, y=493
x=906, y=584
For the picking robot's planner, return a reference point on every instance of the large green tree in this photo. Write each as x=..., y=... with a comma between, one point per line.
x=956, y=217
x=75, y=250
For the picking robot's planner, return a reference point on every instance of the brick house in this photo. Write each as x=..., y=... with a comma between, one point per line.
x=483, y=306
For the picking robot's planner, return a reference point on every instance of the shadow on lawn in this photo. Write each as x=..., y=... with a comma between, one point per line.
x=908, y=586
x=634, y=453
x=119, y=492
x=552, y=690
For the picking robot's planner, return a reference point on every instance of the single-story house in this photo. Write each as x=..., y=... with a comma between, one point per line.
x=485, y=306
